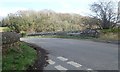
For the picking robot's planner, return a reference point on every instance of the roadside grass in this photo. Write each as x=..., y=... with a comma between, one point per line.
x=109, y=36
x=18, y=57
x=5, y=29
x=115, y=30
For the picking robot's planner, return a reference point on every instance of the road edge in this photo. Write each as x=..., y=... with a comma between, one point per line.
x=40, y=62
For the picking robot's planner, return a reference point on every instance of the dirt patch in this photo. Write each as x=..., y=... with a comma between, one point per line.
x=41, y=62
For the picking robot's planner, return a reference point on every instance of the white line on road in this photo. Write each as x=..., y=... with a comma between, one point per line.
x=74, y=64
x=89, y=69
x=62, y=58
x=59, y=67
x=51, y=62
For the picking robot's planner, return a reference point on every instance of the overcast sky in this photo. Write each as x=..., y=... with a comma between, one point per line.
x=64, y=6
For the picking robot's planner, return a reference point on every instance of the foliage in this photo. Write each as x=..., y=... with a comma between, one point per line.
x=44, y=21
x=109, y=36
x=115, y=30
x=23, y=33
x=5, y=29
x=10, y=37
x=91, y=22
x=18, y=57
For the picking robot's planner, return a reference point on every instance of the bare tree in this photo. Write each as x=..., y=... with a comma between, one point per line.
x=118, y=17
x=105, y=12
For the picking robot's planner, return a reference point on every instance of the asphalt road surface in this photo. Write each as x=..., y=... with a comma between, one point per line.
x=71, y=54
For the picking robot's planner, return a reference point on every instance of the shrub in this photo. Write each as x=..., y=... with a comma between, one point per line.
x=109, y=36
x=23, y=33
x=115, y=30
x=10, y=37
x=5, y=29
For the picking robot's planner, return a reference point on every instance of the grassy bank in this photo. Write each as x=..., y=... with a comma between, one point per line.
x=110, y=34
x=19, y=57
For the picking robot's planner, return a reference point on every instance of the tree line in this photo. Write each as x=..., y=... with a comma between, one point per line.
x=50, y=21
x=43, y=21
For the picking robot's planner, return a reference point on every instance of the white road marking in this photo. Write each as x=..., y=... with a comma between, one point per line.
x=59, y=67
x=62, y=58
x=89, y=69
x=51, y=62
x=74, y=64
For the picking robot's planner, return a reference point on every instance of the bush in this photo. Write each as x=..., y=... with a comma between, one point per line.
x=10, y=37
x=23, y=33
x=5, y=29
x=115, y=30
x=110, y=34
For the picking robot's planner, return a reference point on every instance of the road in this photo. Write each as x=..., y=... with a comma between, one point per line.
x=71, y=54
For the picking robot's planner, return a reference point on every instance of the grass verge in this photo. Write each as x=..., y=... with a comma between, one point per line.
x=19, y=57
x=4, y=29
x=109, y=36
